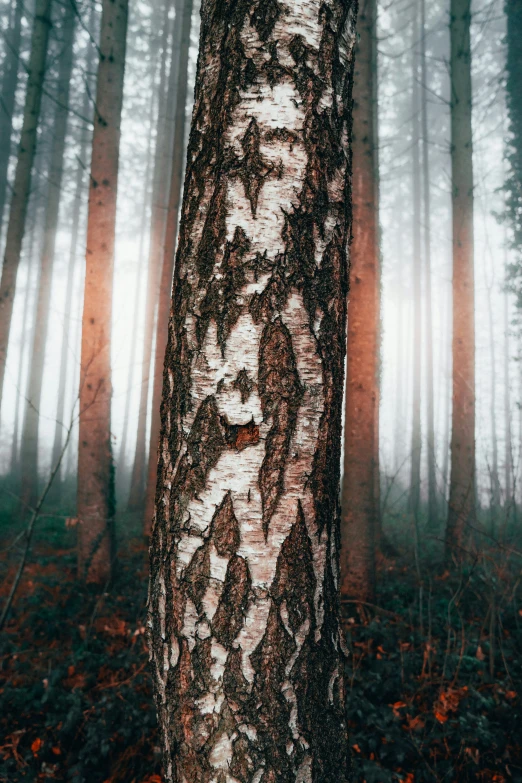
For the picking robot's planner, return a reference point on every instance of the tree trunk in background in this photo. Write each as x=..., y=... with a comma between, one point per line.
x=399, y=388
x=243, y=613
x=508, y=445
x=462, y=480
x=61, y=425
x=95, y=468
x=12, y=39
x=494, y=477
x=138, y=289
x=181, y=51
x=27, y=335
x=157, y=233
x=29, y=447
x=433, y=516
x=22, y=180
x=448, y=318
x=360, y=508
x=416, y=432
x=513, y=9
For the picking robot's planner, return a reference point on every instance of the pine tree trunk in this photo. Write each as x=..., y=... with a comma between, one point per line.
x=95, y=469
x=430, y=405
x=243, y=611
x=416, y=434
x=182, y=44
x=29, y=449
x=360, y=509
x=61, y=425
x=22, y=180
x=13, y=39
x=157, y=233
x=462, y=480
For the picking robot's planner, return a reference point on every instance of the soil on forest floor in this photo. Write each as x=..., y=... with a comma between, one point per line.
x=434, y=677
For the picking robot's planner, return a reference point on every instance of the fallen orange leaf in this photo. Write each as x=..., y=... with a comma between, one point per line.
x=36, y=745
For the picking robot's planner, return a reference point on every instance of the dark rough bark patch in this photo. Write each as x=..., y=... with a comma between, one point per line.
x=281, y=393
x=221, y=302
x=271, y=300
x=244, y=385
x=252, y=169
x=234, y=682
x=294, y=582
x=264, y=17
x=230, y=613
x=225, y=528
x=205, y=444
x=197, y=575
x=269, y=661
x=239, y=436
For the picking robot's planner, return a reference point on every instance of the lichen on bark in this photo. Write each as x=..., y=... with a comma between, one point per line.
x=243, y=607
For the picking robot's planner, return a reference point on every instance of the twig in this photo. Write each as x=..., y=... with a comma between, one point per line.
x=30, y=529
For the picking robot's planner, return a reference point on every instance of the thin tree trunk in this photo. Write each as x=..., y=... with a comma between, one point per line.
x=243, y=612
x=61, y=425
x=95, y=467
x=137, y=293
x=508, y=452
x=399, y=387
x=359, y=499
x=12, y=39
x=495, y=482
x=157, y=233
x=446, y=408
x=26, y=340
x=181, y=51
x=29, y=449
x=22, y=180
x=432, y=476
x=416, y=434
x=462, y=481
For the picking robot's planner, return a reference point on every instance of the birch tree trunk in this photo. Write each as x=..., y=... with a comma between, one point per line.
x=157, y=234
x=416, y=432
x=243, y=609
x=462, y=478
x=361, y=468
x=181, y=51
x=95, y=469
x=29, y=448
x=22, y=180
x=8, y=96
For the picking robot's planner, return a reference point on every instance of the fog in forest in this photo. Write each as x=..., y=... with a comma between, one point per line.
x=428, y=534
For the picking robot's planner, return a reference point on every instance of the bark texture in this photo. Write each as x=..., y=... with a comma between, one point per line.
x=361, y=468
x=243, y=609
x=22, y=180
x=181, y=51
x=462, y=478
x=95, y=471
x=29, y=448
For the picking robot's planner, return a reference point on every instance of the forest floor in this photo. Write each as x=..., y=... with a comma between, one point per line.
x=434, y=679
